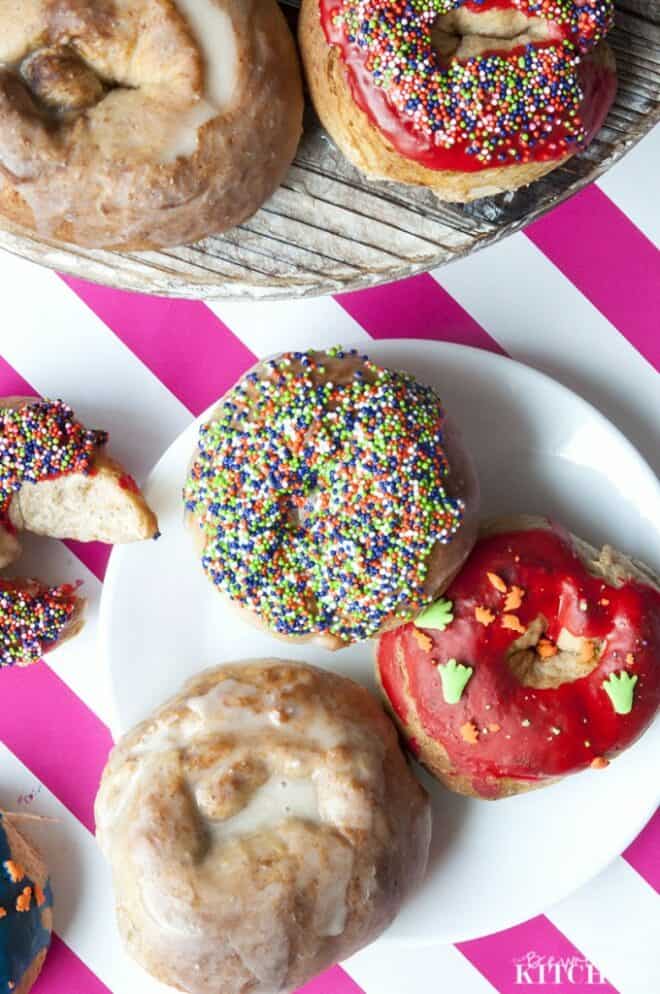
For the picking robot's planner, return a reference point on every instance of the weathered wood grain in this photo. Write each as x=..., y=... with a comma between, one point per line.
x=328, y=229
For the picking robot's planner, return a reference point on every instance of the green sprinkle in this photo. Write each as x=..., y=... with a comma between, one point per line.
x=620, y=687
x=454, y=678
x=438, y=616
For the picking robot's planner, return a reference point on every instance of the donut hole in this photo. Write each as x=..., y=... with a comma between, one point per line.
x=463, y=34
x=574, y=657
x=60, y=81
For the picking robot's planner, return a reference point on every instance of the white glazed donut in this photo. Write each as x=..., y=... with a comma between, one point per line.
x=143, y=123
x=261, y=825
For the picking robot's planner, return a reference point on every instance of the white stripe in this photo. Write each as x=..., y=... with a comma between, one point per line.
x=280, y=326
x=52, y=338
x=632, y=185
x=383, y=969
x=78, y=662
x=540, y=318
x=84, y=905
x=615, y=922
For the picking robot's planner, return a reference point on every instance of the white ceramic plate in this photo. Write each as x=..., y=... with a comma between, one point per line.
x=538, y=448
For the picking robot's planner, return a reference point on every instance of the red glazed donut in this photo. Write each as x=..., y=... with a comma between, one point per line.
x=467, y=97
x=547, y=662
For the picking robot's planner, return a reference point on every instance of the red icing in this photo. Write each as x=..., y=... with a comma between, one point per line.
x=555, y=583
x=598, y=86
x=126, y=482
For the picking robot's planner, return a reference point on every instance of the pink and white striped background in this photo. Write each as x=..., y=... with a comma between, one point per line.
x=577, y=295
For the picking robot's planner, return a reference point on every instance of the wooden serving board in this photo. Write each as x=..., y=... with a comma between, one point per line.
x=328, y=229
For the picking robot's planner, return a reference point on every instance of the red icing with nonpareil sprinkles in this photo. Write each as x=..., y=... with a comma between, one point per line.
x=535, y=102
x=499, y=727
x=41, y=440
x=32, y=619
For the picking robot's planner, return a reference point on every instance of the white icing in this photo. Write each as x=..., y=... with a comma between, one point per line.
x=278, y=800
x=214, y=32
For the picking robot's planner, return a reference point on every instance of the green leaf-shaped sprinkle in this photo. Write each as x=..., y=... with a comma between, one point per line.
x=454, y=678
x=437, y=615
x=619, y=688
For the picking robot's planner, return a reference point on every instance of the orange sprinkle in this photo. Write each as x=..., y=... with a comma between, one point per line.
x=24, y=900
x=39, y=896
x=546, y=649
x=587, y=651
x=514, y=598
x=494, y=727
x=484, y=616
x=630, y=659
x=497, y=582
x=15, y=871
x=470, y=732
x=3, y=913
x=599, y=763
x=604, y=601
x=514, y=623
x=423, y=641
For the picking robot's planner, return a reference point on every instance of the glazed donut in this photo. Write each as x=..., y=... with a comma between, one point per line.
x=544, y=659
x=143, y=123
x=55, y=479
x=330, y=498
x=35, y=619
x=467, y=97
x=261, y=825
x=26, y=916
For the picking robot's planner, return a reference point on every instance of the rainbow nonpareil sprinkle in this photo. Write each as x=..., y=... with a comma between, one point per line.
x=42, y=440
x=320, y=502
x=500, y=107
x=32, y=620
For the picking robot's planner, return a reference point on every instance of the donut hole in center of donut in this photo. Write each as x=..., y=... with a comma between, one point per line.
x=60, y=81
x=576, y=657
x=463, y=34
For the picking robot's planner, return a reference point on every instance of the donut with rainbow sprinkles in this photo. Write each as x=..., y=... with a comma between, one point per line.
x=330, y=498
x=467, y=97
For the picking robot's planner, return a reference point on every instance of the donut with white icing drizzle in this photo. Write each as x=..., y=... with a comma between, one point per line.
x=143, y=123
x=261, y=825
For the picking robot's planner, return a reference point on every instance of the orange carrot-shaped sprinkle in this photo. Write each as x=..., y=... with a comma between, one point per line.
x=470, y=732
x=512, y=622
x=514, y=598
x=484, y=616
x=497, y=582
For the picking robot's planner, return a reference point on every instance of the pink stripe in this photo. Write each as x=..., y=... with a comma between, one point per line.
x=181, y=341
x=417, y=307
x=504, y=957
x=609, y=260
x=333, y=981
x=55, y=735
x=64, y=973
x=644, y=853
x=12, y=383
x=94, y=555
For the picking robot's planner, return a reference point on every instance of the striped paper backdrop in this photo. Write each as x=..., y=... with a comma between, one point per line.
x=577, y=296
